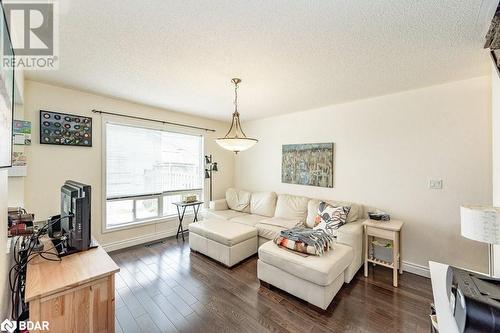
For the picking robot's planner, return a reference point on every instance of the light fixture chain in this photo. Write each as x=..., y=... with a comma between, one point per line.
x=235, y=97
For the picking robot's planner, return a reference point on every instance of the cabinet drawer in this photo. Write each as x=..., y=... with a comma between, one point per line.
x=386, y=234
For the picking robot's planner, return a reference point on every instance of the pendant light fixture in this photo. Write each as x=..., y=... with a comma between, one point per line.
x=235, y=139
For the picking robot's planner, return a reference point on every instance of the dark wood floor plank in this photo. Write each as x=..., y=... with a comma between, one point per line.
x=131, y=302
x=156, y=314
x=171, y=312
x=126, y=320
x=178, y=303
x=118, y=300
x=169, y=288
x=119, y=283
x=212, y=319
x=146, y=324
x=185, y=295
x=118, y=328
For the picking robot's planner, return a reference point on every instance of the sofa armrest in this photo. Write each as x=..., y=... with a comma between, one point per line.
x=220, y=204
x=351, y=234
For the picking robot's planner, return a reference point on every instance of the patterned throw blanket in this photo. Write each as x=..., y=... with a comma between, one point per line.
x=305, y=240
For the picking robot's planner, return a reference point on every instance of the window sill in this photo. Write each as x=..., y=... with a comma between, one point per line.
x=188, y=218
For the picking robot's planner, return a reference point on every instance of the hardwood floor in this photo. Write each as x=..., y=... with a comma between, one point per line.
x=166, y=288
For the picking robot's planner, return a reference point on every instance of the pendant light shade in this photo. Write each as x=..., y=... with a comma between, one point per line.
x=235, y=139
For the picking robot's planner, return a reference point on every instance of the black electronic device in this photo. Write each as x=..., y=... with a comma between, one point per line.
x=379, y=216
x=54, y=226
x=474, y=300
x=75, y=220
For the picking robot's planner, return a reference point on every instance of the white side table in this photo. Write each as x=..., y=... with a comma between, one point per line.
x=390, y=230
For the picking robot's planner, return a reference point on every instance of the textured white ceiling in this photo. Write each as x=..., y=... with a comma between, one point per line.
x=291, y=55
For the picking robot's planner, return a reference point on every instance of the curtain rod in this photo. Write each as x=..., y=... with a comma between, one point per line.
x=155, y=120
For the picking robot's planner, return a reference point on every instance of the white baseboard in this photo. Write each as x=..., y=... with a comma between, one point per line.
x=416, y=269
x=122, y=244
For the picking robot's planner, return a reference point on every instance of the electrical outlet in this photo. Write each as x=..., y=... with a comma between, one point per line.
x=436, y=184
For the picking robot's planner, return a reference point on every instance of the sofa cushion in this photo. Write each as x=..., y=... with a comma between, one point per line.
x=263, y=203
x=319, y=270
x=291, y=207
x=220, y=204
x=248, y=219
x=281, y=222
x=330, y=218
x=222, y=231
x=238, y=200
x=268, y=231
x=224, y=214
x=355, y=213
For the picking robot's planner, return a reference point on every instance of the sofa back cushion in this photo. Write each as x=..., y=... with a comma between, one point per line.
x=281, y=222
x=238, y=200
x=355, y=213
x=291, y=207
x=263, y=203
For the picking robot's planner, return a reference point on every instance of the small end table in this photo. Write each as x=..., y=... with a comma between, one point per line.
x=390, y=230
x=181, y=204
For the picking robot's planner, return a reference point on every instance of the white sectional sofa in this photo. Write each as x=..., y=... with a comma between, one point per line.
x=244, y=223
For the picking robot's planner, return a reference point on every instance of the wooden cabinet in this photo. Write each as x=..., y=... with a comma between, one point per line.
x=74, y=295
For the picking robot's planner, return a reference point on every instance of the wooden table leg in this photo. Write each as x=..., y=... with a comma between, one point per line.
x=366, y=251
x=395, y=258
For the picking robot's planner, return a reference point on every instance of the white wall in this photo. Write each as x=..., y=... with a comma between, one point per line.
x=495, y=109
x=387, y=149
x=50, y=165
x=4, y=258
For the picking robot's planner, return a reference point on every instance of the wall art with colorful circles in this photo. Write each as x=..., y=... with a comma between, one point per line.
x=65, y=129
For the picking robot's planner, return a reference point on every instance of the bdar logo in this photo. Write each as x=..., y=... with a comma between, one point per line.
x=8, y=326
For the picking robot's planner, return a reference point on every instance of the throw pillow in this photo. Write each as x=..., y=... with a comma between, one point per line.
x=330, y=218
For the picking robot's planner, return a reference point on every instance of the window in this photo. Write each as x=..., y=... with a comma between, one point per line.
x=147, y=170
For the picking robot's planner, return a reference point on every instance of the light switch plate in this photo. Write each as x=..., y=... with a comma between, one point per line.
x=436, y=184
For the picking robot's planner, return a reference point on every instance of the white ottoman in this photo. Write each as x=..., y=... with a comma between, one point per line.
x=313, y=279
x=225, y=241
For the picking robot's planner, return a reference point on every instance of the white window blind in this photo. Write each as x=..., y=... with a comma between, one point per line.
x=145, y=161
x=147, y=170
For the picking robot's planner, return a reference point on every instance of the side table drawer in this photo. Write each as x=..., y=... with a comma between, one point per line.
x=386, y=234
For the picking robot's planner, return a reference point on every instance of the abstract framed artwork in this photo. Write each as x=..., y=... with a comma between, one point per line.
x=65, y=129
x=308, y=164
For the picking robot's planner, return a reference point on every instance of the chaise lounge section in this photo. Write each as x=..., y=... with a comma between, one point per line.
x=222, y=240
x=245, y=223
x=313, y=279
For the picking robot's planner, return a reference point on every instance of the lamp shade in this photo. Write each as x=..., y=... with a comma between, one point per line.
x=236, y=144
x=215, y=167
x=480, y=223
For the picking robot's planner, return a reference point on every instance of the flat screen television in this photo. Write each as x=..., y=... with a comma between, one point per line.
x=75, y=218
x=6, y=96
